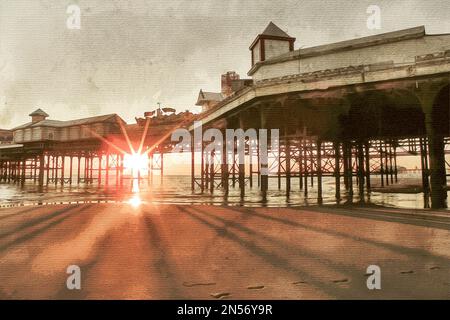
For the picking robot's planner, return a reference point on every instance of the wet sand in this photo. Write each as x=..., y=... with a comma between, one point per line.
x=219, y=252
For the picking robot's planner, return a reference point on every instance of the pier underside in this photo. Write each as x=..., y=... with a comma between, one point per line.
x=354, y=134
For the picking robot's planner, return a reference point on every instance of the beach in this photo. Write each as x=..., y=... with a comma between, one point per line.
x=151, y=251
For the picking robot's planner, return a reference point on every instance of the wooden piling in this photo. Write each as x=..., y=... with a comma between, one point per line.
x=367, y=167
x=288, y=167
x=192, y=166
x=319, y=172
x=70, y=169
x=361, y=173
x=337, y=171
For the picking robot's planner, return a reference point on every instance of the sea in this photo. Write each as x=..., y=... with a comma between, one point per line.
x=176, y=189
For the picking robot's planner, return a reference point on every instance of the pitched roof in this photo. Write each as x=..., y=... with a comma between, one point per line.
x=69, y=123
x=208, y=96
x=38, y=112
x=273, y=30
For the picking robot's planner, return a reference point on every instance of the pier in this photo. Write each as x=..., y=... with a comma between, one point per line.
x=349, y=122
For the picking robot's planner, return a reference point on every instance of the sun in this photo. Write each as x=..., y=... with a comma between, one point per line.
x=136, y=162
x=135, y=201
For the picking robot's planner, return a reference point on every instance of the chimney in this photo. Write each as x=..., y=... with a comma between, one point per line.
x=38, y=115
x=227, y=80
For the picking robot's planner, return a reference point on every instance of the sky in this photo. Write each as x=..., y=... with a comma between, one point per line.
x=129, y=55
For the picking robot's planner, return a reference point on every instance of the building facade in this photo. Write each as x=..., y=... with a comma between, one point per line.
x=42, y=129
